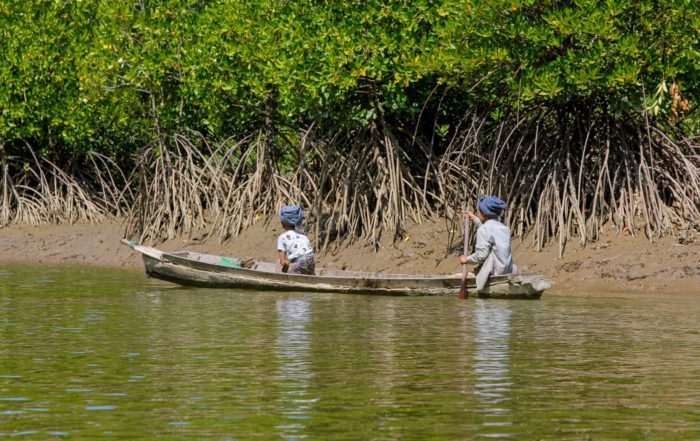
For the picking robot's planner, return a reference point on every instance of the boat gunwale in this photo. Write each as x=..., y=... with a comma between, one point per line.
x=185, y=268
x=398, y=281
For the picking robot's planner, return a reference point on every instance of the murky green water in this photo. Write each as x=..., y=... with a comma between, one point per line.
x=100, y=354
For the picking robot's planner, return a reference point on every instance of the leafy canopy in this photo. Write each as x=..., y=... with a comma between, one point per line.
x=109, y=76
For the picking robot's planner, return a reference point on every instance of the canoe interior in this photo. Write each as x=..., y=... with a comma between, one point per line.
x=268, y=267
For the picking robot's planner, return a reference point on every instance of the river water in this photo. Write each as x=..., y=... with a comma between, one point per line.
x=91, y=353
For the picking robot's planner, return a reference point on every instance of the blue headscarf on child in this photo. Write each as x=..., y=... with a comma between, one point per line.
x=291, y=215
x=491, y=206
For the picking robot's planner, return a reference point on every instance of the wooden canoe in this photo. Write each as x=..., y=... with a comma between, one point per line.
x=205, y=270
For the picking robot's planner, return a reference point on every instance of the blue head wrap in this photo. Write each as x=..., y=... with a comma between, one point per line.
x=491, y=206
x=291, y=215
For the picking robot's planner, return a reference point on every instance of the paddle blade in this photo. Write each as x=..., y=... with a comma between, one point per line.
x=463, y=294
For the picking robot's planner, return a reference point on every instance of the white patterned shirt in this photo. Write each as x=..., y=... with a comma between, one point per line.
x=294, y=243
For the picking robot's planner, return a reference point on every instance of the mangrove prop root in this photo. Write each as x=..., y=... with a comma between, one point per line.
x=564, y=177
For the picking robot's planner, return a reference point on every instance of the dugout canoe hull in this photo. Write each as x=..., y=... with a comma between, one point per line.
x=188, y=268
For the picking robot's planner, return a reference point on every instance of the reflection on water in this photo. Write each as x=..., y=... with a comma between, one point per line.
x=292, y=350
x=491, y=362
x=97, y=354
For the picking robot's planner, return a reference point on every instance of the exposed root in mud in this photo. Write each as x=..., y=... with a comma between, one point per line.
x=563, y=175
x=39, y=191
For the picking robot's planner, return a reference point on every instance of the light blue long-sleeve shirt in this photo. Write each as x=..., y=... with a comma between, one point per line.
x=493, y=237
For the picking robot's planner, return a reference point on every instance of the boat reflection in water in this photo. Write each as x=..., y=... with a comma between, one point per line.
x=292, y=349
x=491, y=368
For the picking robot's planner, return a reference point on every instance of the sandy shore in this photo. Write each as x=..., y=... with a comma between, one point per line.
x=614, y=263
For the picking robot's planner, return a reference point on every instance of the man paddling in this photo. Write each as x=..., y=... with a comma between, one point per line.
x=493, y=250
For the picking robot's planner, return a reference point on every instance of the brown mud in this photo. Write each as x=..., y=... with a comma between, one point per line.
x=616, y=262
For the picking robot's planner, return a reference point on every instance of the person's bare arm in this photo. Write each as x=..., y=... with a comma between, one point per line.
x=284, y=263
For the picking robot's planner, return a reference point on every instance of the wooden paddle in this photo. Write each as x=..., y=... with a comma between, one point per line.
x=463, y=293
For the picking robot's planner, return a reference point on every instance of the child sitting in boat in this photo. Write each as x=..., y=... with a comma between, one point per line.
x=296, y=255
x=493, y=252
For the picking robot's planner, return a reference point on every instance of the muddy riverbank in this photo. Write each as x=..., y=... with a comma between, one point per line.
x=616, y=262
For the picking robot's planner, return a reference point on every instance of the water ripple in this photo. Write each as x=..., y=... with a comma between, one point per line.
x=193, y=363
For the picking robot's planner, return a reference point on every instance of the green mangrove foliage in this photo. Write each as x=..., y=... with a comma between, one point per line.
x=191, y=114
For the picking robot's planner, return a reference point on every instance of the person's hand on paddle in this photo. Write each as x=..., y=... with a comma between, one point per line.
x=463, y=294
x=470, y=214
